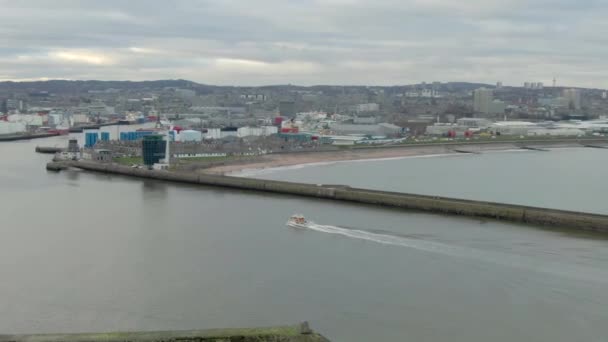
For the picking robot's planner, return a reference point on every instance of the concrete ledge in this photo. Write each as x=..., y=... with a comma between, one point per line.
x=435, y=204
x=295, y=333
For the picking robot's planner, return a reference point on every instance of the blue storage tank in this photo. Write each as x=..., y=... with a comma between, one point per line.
x=123, y=136
x=90, y=139
x=105, y=136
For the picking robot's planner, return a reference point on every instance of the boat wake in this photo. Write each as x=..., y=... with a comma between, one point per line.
x=389, y=239
x=504, y=259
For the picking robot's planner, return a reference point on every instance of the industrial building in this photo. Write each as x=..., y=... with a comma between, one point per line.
x=381, y=129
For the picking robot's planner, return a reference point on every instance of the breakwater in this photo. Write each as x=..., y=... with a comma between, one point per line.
x=295, y=333
x=434, y=204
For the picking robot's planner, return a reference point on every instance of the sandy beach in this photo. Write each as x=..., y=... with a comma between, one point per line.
x=290, y=159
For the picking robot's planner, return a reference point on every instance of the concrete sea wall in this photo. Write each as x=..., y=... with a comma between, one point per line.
x=296, y=333
x=443, y=205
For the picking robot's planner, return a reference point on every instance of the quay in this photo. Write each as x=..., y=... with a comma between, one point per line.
x=80, y=129
x=434, y=204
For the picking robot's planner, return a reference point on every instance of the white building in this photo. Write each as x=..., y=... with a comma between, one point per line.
x=555, y=132
x=474, y=122
x=512, y=127
x=190, y=135
x=29, y=120
x=12, y=127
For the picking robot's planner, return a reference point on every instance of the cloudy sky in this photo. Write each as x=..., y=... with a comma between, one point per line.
x=247, y=42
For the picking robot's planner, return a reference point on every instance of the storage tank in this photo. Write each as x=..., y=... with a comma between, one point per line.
x=243, y=132
x=213, y=133
x=105, y=136
x=90, y=138
x=190, y=135
x=153, y=149
x=269, y=130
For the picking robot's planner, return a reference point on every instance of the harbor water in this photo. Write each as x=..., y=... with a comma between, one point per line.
x=93, y=252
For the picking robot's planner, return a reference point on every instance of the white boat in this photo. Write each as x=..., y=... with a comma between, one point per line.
x=298, y=221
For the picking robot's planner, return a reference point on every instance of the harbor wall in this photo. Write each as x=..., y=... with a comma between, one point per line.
x=434, y=204
x=15, y=137
x=295, y=333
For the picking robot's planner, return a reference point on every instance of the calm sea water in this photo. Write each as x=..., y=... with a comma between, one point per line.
x=92, y=252
x=568, y=178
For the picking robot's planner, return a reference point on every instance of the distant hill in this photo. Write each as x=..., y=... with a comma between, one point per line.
x=74, y=87
x=80, y=87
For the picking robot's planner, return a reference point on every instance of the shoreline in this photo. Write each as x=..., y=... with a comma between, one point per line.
x=272, y=162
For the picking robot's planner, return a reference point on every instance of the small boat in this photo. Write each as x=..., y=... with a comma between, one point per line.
x=298, y=221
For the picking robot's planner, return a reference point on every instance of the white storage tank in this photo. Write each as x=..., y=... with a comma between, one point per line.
x=243, y=132
x=213, y=133
x=190, y=135
x=269, y=130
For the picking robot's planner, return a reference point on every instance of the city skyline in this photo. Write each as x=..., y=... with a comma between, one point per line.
x=308, y=42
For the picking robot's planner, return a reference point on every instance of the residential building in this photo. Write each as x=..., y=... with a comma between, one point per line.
x=482, y=98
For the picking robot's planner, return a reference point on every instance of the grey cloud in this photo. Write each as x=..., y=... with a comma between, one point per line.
x=306, y=41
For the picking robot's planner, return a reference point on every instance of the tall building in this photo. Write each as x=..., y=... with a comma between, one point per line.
x=153, y=149
x=482, y=98
x=13, y=104
x=498, y=85
x=573, y=96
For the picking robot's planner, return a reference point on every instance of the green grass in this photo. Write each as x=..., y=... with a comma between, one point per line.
x=205, y=159
x=129, y=160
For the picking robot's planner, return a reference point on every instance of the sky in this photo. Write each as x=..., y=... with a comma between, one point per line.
x=307, y=42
